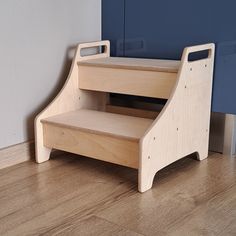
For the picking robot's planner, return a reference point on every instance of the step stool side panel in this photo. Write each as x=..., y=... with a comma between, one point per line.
x=69, y=98
x=182, y=128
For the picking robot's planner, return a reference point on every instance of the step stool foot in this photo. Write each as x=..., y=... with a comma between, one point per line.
x=202, y=155
x=145, y=181
x=42, y=154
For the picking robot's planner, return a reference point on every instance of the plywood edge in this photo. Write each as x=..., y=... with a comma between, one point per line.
x=140, y=67
x=64, y=101
x=121, y=137
x=68, y=99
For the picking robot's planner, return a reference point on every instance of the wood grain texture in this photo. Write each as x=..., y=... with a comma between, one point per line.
x=180, y=129
x=70, y=98
x=99, y=146
x=194, y=200
x=134, y=64
x=183, y=125
x=126, y=81
x=70, y=194
x=104, y=123
x=91, y=226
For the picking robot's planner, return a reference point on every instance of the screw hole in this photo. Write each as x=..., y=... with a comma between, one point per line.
x=149, y=157
x=206, y=65
x=177, y=129
x=191, y=69
x=154, y=138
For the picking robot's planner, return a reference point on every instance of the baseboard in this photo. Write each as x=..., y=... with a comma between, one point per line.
x=16, y=154
x=223, y=135
x=217, y=131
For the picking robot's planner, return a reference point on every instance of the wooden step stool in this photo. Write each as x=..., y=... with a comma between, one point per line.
x=80, y=119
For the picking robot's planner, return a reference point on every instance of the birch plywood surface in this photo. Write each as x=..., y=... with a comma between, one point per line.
x=181, y=128
x=153, y=84
x=134, y=63
x=99, y=146
x=69, y=98
x=126, y=127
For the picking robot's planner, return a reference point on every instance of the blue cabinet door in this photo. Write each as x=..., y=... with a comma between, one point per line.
x=224, y=89
x=113, y=25
x=162, y=28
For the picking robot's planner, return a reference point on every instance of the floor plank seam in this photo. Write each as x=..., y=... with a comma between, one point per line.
x=121, y=226
x=205, y=202
x=87, y=213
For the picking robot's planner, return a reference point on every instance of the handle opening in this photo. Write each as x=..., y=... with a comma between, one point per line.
x=199, y=55
x=94, y=49
x=198, y=52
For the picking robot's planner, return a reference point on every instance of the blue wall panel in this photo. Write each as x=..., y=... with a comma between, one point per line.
x=162, y=28
x=224, y=95
x=113, y=25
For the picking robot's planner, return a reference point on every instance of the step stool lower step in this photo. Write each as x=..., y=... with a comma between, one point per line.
x=101, y=135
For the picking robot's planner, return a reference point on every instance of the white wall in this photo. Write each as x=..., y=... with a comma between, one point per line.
x=35, y=36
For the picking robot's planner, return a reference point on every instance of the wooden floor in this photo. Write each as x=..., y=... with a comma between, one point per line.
x=71, y=195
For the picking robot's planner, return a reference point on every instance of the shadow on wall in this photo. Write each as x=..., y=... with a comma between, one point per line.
x=65, y=69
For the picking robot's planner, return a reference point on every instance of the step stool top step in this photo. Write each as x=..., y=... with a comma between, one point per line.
x=119, y=126
x=171, y=66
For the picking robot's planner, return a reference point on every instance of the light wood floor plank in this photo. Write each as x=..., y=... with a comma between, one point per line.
x=215, y=217
x=69, y=193
x=90, y=227
x=45, y=200
x=180, y=190
x=21, y=171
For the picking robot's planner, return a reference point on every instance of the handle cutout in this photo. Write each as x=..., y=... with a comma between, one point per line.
x=199, y=55
x=93, y=50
